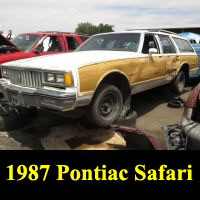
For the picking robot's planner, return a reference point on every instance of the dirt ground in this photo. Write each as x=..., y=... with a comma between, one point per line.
x=153, y=112
x=49, y=131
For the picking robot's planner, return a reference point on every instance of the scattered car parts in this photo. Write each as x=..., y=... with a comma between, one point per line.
x=187, y=134
x=12, y=118
x=137, y=139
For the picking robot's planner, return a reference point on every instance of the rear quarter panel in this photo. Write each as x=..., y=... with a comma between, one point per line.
x=192, y=60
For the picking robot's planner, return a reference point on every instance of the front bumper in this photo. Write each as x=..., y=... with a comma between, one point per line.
x=50, y=98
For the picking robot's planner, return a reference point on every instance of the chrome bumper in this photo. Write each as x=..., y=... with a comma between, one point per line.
x=40, y=98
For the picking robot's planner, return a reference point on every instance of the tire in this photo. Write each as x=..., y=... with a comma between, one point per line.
x=175, y=104
x=178, y=83
x=105, y=107
x=15, y=118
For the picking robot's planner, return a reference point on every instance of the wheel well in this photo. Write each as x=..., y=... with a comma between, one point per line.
x=120, y=81
x=185, y=69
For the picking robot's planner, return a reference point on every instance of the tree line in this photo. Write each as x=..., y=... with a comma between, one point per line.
x=91, y=29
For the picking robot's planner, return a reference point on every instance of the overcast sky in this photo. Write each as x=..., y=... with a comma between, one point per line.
x=64, y=15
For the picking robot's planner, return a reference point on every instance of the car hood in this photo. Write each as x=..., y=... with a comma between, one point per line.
x=4, y=41
x=67, y=61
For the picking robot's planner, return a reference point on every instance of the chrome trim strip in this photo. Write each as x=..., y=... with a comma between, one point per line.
x=149, y=84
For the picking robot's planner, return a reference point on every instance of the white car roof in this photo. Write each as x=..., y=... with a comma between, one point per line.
x=163, y=32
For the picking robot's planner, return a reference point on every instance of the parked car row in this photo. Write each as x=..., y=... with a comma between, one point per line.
x=28, y=45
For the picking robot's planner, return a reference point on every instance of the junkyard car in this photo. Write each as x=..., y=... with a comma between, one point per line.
x=29, y=45
x=6, y=46
x=101, y=75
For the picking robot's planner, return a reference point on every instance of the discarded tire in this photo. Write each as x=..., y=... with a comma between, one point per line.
x=175, y=104
x=129, y=120
x=14, y=118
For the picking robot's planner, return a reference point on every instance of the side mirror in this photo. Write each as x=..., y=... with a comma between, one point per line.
x=153, y=51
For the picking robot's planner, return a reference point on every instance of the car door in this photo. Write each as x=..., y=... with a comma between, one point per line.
x=152, y=65
x=50, y=44
x=169, y=54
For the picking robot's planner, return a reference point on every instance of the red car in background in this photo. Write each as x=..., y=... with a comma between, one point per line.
x=29, y=45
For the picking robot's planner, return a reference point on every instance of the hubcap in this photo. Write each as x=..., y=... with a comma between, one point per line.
x=107, y=105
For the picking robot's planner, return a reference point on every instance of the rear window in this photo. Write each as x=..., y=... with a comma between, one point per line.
x=183, y=45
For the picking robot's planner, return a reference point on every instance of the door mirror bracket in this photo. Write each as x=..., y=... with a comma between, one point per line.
x=153, y=51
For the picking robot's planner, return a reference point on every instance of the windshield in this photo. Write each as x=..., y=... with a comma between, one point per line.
x=25, y=42
x=112, y=42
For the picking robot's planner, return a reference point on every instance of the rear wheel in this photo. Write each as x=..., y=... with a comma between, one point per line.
x=106, y=106
x=178, y=83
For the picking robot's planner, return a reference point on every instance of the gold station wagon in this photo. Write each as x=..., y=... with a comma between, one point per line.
x=101, y=75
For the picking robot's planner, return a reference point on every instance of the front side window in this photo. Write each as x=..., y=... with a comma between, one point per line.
x=183, y=45
x=50, y=44
x=149, y=42
x=25, y=42
x=167, y=45
x=112, y=42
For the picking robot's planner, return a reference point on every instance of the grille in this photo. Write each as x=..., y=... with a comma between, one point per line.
x=25, y=78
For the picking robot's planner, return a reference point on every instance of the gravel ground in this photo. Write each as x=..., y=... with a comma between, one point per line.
x=52, y=132
x=153, y=112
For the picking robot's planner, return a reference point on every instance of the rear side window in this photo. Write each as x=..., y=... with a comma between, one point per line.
x=183, y=45
x=167, y=45
x=72, y=43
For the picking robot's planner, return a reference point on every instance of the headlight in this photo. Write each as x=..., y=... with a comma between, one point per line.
x=59, y=80
x=50, y=78
x=4, y=72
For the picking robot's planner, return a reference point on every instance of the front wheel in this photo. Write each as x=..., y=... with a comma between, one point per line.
x=106, y=106
x=178, y=83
